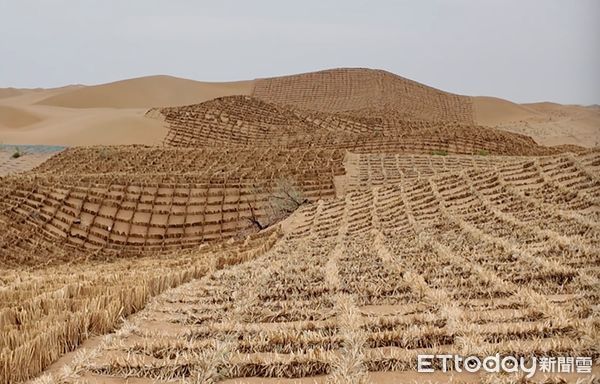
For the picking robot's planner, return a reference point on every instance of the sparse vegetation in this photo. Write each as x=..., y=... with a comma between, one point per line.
x=283, y=200
x=17, y=153
x=483, y=152
x=104, y=153
x=439, y=152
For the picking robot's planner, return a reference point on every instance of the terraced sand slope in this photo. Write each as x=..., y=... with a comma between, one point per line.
x=249, y=122
x=414, y=230
x=358, y=89
x=230, y=120
x=113, y=113
x=109, y=202
x=364, y=91
x=500, y=257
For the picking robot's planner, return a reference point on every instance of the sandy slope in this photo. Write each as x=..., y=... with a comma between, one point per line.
x=14, y=117
x=24, y=122
x=547, y=123
x=9, y=92
x=113, y=113
x=28, y=158
x=92, y=126
x=342, y=90
x=146, y=92
x=103, y=114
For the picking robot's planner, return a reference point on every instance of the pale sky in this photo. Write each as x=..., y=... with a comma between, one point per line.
x=522, y=50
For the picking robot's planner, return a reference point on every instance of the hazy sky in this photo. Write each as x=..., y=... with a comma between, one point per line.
x=523, y=50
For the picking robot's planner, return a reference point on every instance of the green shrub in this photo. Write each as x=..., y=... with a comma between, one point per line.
x=17, y=153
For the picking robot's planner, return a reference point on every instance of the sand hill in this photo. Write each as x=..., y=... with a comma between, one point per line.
x=103, y=114
x=9, y=92
x=344, y=90
x=547, y=123
x=249, y=122
x=146, y=92
x=113, y=113
x=323, y=227
x=14, y=117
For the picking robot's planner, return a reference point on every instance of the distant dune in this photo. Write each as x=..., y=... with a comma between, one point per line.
x=15, y=118
x=492, y=111
x=94, y=126
x=146, y=92
x=113, y=113
x=548, y=123
x=101, y=114
x=9, y=92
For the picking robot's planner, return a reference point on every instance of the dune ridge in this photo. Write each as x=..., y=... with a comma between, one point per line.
x=9, y=92
x=360, y=89
x=146, y=92
x=113, y=113
x=548, y=123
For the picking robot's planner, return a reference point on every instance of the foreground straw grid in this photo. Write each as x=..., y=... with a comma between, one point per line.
x=478, y=260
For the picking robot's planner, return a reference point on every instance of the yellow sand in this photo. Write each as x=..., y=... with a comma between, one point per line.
x=547, y=123
x=113, y=113
x=101, y=114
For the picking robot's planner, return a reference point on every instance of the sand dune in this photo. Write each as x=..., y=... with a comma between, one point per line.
x=364, y=90
x=23, y=121
x=95, y=126
x=329, y=225
x=547, y=123
x=492, y=111
x=146, y=92
x=246, y=121
x=15, y=118
x=9, y=92
x=102, y=114
x=113, y=113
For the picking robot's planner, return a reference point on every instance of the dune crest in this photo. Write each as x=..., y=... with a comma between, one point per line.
x=547, y=123
x=146, y=92
x=113, y=113
x=9, y=92
x=360, y=89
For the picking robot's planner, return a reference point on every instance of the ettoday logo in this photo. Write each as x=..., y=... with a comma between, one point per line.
x=508, y=364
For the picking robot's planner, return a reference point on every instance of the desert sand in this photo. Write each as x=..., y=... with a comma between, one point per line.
x=104, y=114
x=113, y=113
x=15, y=159
x=146, y=92
x=322, y=227
x=547, y=123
